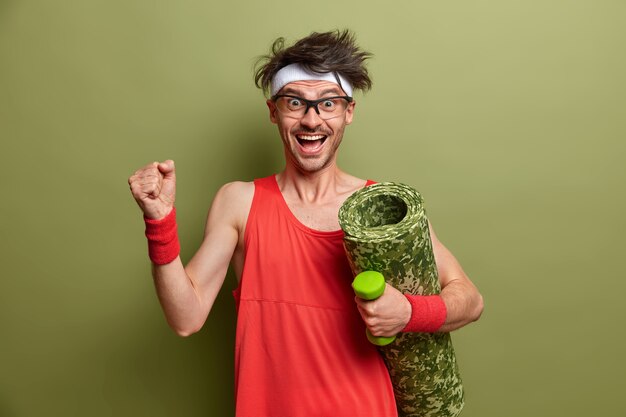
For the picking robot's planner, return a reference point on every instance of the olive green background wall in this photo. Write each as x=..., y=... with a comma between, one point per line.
x=508, y=117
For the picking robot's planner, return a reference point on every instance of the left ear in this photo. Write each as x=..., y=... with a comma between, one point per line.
x=272, y=108
x=350, y=112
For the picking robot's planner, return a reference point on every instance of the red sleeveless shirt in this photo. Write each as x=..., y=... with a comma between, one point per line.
x=300, y=349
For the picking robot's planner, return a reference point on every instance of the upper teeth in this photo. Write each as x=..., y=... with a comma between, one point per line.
x=316, y=137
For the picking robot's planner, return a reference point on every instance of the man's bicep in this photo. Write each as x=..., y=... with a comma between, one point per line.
x=448, y=267
x=209, y=265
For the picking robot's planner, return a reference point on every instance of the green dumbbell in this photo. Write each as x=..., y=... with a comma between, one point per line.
x=369, y=285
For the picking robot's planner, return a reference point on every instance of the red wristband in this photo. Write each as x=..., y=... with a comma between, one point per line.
x=163, y=245
x=428, y=313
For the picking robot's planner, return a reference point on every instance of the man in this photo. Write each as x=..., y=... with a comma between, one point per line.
x=300, y=348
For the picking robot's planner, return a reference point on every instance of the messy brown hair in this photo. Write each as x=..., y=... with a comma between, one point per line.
x=334, y=51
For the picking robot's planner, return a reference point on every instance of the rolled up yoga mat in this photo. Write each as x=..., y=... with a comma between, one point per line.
x=386, y=230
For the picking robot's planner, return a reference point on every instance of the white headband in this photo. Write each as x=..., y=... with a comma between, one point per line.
x=296, y=72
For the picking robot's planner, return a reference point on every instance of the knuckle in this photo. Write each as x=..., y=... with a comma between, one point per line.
x=371, y=322
x=377, y=332
x=147, y=180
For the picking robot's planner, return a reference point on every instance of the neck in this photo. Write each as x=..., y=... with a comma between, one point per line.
x=310, y=187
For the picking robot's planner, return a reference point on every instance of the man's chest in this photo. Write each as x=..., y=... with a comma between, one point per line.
x=319, y=217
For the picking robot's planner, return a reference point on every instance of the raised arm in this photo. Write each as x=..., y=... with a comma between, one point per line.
x=187, y=293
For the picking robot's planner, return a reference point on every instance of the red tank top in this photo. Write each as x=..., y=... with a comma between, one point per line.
x=300, y=349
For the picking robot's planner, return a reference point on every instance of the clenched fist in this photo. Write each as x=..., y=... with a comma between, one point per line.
x=154, y=188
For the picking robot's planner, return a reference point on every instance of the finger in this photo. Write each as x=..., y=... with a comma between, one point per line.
x=151, y=175
x=151, y=189
x=381, y=332
x=167, y=167
x=145, y=177
x=362, y=304
x=366, y=308
x=148, y=174
x=372, y=324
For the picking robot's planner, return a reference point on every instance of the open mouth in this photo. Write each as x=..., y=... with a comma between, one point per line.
x=311, y=143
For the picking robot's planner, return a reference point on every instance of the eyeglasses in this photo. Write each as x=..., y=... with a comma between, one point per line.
x=297, y=107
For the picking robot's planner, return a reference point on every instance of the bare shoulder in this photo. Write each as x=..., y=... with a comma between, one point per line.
x=232, y=203
x=236, y=191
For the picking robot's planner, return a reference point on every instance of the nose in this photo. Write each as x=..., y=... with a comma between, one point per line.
x=311, y=119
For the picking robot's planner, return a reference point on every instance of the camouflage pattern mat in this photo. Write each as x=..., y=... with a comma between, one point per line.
x=386, y=230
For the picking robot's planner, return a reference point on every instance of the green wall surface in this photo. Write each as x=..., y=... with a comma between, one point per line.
x=509, y=117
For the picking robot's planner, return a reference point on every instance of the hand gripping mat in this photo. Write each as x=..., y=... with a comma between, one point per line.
x=386, y=230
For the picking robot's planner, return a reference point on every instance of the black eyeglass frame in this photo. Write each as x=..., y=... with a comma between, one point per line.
x=312, y=103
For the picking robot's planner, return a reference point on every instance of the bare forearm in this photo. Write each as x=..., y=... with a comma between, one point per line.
x=464, y=305
x=179, y=298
